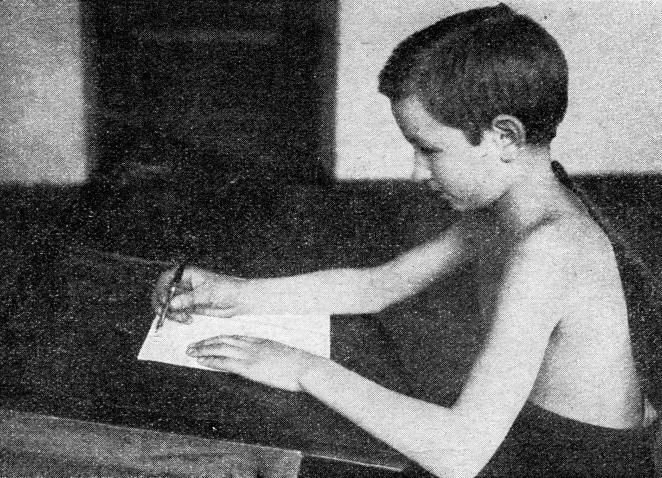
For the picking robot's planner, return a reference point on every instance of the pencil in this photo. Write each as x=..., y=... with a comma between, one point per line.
x=176, y=279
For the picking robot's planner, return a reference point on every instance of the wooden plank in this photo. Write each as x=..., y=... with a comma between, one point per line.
x=87, y=445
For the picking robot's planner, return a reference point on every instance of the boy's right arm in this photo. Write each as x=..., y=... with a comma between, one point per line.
x=417, y=268
x=335, y=291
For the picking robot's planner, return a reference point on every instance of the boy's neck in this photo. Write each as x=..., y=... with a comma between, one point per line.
x=534, y=193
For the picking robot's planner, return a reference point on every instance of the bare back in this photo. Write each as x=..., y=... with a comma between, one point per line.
x=588, y=372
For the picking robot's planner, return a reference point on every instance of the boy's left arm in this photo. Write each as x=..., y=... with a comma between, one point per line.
x=456, y=441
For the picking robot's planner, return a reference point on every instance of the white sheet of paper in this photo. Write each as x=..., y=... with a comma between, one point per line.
x=311, y=333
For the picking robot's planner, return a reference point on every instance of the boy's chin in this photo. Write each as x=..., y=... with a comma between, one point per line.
x=454, y=203
x=464, y=206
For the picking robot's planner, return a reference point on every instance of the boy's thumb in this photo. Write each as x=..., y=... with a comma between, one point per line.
x=182, y=301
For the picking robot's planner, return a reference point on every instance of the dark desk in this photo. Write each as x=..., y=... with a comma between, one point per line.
x=77, y=361
x=76, y=319
x=40, y=445
x=73, y=322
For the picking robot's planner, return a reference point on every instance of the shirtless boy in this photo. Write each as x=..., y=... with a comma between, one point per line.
x=554, y=391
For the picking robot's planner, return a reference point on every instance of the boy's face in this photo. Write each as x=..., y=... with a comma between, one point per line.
x=468, y=177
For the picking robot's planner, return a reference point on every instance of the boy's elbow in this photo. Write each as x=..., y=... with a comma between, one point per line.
x=374, y=306
x=450, y=461
x=363, y=306
x=463, y=450
x=452, y=464
x=446, y=472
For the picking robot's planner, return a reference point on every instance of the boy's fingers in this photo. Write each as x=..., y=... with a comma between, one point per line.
x=182, y=301
x=217, y=312
x=181, y=317
x=234, y=340
x=217, y=350
x=192, y=279
x=224, y=364
x=187, y=299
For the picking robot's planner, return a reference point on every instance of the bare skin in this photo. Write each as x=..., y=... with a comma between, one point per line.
x=587, y=373
x=551, y=354
x=549, y=289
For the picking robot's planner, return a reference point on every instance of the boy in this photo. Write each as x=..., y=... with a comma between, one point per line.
x=555, y=391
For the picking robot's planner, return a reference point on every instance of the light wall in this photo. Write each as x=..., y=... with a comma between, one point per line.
x=613, y=50
x=42, y=132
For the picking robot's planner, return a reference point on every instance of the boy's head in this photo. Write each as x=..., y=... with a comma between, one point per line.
x=471, y=67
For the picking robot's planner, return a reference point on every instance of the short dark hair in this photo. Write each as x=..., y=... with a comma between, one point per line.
x=470, y=67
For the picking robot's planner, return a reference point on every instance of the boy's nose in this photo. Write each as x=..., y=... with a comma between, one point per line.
x=421, y=170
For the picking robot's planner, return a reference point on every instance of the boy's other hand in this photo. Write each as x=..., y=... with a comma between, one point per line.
x=201, y=292
x=264, y=361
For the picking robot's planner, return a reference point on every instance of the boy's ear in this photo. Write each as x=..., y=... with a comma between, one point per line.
x=510, y=135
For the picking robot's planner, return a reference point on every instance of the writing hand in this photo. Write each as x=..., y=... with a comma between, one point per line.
x=260, y=360
x=200, y=291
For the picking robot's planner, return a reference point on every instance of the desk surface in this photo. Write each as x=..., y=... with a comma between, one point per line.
x=40, y=445
x=80, y=365
x=32, y=444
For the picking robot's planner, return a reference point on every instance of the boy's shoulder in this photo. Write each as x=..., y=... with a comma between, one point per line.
x=573, y=241
x=559, y=264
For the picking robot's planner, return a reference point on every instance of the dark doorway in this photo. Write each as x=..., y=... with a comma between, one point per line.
x=209, y=91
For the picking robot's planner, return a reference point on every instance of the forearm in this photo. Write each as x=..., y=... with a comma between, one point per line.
x=362, y=290
x=442, y=440
x=341, y=291
x=335, y=291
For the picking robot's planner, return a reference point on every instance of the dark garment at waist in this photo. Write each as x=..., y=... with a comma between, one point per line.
x=544, y=444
